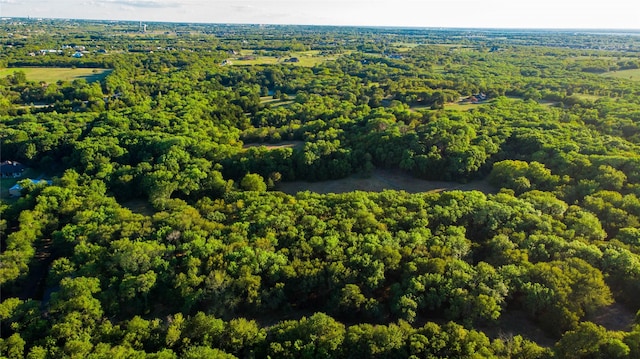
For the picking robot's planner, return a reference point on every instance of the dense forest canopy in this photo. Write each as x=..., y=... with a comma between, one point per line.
x=161, y=228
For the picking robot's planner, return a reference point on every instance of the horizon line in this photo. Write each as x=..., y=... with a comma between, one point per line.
x=634, y=30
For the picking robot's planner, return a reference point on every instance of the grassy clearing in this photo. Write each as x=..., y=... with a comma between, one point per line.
x=584, y=96
x=611, y=58
x=461, y=106
x=624, y=74
x=457, y=106
x=404, y=47
x=305, y=59
x=275, y=102
x=257, y=60
x=548, y=103
x=53, y=74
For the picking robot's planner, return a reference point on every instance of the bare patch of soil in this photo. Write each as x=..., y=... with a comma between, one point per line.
x=613, y=317
x=140, y=206
x=381, y=180
x=272, y=146
x=517, y=322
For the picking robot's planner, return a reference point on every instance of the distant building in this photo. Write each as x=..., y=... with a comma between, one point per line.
x=11, y=169
x=49, y=51
x=479, y=97
x=292, y=59
x=77, y=55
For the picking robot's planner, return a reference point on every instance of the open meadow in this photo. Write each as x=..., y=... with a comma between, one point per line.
x=54, y=74
x=633, y=74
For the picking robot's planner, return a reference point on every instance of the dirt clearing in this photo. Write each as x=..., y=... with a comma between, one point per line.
x=381, y=180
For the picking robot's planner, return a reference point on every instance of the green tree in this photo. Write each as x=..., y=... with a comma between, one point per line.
x=253, y=182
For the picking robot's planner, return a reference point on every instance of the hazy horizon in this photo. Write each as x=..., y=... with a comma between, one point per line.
x=543, y=14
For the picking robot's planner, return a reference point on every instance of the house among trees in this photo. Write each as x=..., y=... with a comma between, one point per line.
x=16, y=190
x=477, y=98
x=11, y=169
x=293, y=59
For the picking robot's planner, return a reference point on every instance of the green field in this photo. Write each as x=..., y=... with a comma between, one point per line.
x=53, y=74
x=462, y=106
x=633, y=74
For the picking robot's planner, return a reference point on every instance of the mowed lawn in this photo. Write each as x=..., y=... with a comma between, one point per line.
x=53, y=74
x=633, y=74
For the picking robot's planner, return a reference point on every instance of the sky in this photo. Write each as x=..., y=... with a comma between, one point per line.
x=610, y=14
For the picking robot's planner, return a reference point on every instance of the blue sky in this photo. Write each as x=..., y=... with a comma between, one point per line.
x=612, y=14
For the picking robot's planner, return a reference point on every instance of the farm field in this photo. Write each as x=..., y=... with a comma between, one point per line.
x=54, y=74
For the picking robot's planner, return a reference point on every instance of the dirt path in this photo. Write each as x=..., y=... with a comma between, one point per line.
x=381, y=180
x=34, y=284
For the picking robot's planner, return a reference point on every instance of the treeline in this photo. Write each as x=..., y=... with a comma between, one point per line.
x=205, y=336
